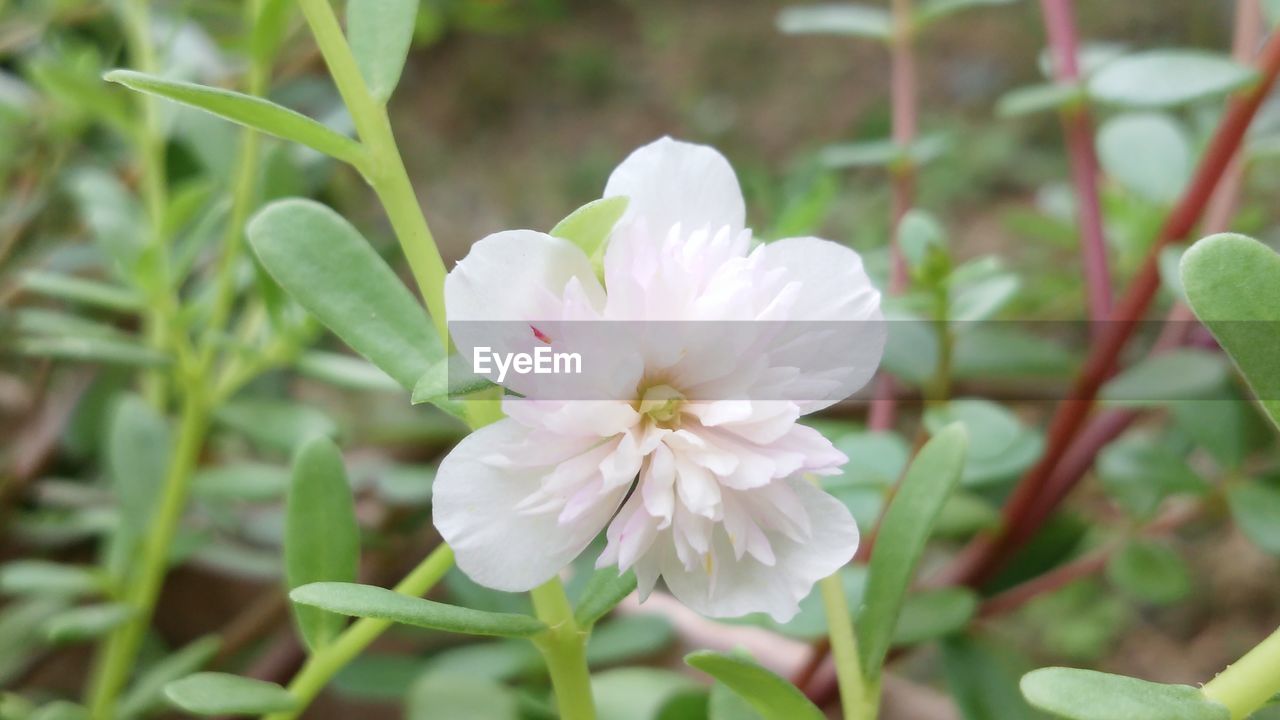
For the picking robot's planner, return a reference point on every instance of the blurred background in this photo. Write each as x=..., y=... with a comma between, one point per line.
x=510, y=114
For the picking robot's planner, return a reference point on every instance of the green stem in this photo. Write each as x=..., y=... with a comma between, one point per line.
x=326, y=662
x=564, y=648
x=116, y=659
x=1250, y=682
x=386, y=171
x=855, y=698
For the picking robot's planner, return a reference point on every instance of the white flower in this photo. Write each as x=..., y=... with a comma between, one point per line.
x=691, y=454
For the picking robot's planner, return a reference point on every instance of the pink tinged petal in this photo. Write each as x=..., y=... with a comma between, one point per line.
x=519, y=275
x=671, y=182
x=821, y=457
x=835, y=290
x=595, y=418
x=769, y=420
x=474, y=509
x=657, y=485
x=698, y=489
x=748, y=585
x=631, y=534
x=696, y=448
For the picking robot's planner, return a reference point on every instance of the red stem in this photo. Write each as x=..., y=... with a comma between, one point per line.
x=1077, y=126
x=1021, y=516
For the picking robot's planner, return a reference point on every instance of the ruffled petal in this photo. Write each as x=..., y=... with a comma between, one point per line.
x=670, y=182
x=519, y=275
x=730, y=587
x=475, y=506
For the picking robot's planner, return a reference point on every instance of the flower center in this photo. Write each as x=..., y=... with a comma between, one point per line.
x=661, y=403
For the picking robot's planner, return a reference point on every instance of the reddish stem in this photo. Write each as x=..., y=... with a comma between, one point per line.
x=1077, y=126
x=976, y=566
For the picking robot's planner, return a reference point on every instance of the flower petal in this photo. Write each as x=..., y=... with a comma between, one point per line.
x=733, y=587
x=474, y=506
x=669, y=182
x=518, y=275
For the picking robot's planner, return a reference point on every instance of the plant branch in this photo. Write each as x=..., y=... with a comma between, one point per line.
x=564, y=648
x=1250, y=682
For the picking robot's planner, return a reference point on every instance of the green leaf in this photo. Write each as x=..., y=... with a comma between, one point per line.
x=1038, y=98
x=86, y=622
x=604, y=591
x=771, y=696
x=110, y=351
x=41, y=577
x=725, y=704
x=981, y=681
x=246, y=481
x=1165, y=78
x=448, y=379
x=884, y=153
x=214, y=693
x=1233, y=285
x=637, y=693
x=628, y=638
x=137, y=459
x=999, y=444
x=1148, y=153
x=446, y=695
x=345, y=371
x=1229, y=429
x=279, y=424
x=113, y=216
x=82, y=291
x=933, y=10
x=1139, y=471
x=589, y=226
x=1088, y=695
x=375, y=602
x=60, y=710
x=932, y=614
x=324, y=263
x=1255, y=505
x=380, y=33
x=918, y=233
x=252, y=112
x=1183, y=374
x=322, y=538
x=147, y=693
x=836, y=19
x=900, y=543
x=991, y=350
x=1150, y=572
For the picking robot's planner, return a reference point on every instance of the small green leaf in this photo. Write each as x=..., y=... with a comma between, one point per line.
x=375, y=602
x=1088, y=695
x=322, y=539
x=1255, y=505
x=83, y=291
x=999, y=444
x=589, y=226
x=60, y=710
x=932, y=614
x=380, y=33
x=982, y=682
x=86, y=622
x=111, y=351
x=448, y=379
x=137, y=459
x=247, y=110
x=918, y=233
x=1038, y=98
x=214, y=693
x=1138, y=471
x=1150, y=572
x=905, y=529
x=604, y=591
x=1165, y=78
x=1148, y=153
x=1183, y=374
x=346, y=371
x=278, y=424
x=628, y=638
x=933, y=10
x=1233, y=285
x=637, y=693
x=324, y=263
x=41, y=577
x=147, y=693
x=836, y=19
x=113, y=215
x=884, y=153
x=247, y=481
x=771, y=696
x=441, y=694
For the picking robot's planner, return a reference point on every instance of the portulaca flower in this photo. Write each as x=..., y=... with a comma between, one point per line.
x=688, y=452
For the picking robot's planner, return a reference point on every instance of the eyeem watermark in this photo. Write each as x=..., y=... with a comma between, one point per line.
x=542, y=361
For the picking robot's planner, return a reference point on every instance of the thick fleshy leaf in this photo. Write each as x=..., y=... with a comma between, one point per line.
x=1255, y=505
x=108, y=350
x=137, y=458
x=86, y=622
x=324, y=263
x=322, y=539
x=1163, y=78
x=248, y=481
x=771, y=696
x=982, y=681
x=345, y=371
x=82, y=290
x=380, y=33
x=637, y=693
x=1038, y=98
x=1184, y=374
x=905, y=529
x=884, y=153
x=1148, y=153
x=1089, y=695
x=447, y=379
x=1233, y=285
x=42, y=577
x=442, y=694
x=1000, y=445
x=589, y=226
x=214, y=693
x=1139, y=471
x=375, y=602
x=147, y=692
x=933, y=614
x=836, y=19
x=277, y=424
x=629, y=638
x=606, y=589
x=1150, y=572
x=252, y=112
x=933, y=10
